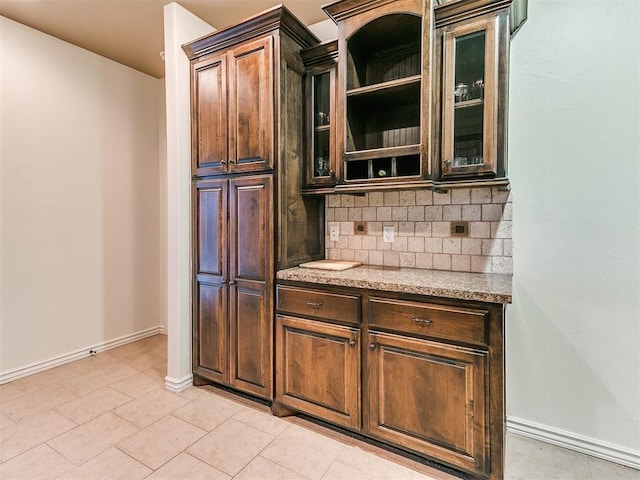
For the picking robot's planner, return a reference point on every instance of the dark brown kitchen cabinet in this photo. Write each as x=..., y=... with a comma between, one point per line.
x=318, y=369
x=233, y=109
x=431, y=378
x=249, y=216
x=472, y=99
x=420, y=95
x=428, y=397
x=427, y=364
x=233, y=321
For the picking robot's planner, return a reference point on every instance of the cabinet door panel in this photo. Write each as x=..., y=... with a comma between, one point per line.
x=251, y=258
x=210, y=112
x=470, y=100
x=251, y=106
x=210, y=314
x=428, y=397
x=251, y=226
x=318, y=369
x=251, y=337
x=211, y=229
x=210, y=344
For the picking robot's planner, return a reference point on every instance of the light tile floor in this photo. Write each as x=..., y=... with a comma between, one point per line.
x=109, y=417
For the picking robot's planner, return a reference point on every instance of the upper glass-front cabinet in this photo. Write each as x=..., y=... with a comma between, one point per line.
x=321, y=124
x=320, y=61
x=471, y=108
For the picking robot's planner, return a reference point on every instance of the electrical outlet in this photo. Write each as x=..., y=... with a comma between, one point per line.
x=359, y=228
x=334, y=233
x=387, y=234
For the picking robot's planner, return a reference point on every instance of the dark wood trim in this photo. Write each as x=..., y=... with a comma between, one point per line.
x=276, y=18
x=319, y=53
x=460, y=10
x=346, y=8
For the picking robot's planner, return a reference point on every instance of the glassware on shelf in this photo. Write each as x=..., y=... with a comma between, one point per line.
x=323, y=119
x=322, y=167
x=461, y=92
x=477, y=89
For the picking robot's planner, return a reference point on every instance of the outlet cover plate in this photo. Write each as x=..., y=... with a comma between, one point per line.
x=387, y=234
x=334, y=233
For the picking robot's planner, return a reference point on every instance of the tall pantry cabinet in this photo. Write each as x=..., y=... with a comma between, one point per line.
x=249, y=218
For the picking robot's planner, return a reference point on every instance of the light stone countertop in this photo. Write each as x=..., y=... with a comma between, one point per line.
x=484, y=287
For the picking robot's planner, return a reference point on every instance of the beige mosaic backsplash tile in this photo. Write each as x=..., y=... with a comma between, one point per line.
x=422, y=226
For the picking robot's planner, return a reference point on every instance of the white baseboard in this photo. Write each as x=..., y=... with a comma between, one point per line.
x=178, y=385
x=573, y=441
x=11, y=375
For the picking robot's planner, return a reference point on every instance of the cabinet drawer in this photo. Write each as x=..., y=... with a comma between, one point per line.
x=426, y=319
x=316, y=303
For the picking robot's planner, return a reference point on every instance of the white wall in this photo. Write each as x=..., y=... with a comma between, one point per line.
x=573, y=363
x=180, y=26
x=79, y=186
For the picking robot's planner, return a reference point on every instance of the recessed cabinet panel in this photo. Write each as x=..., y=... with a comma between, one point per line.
x=251, y=108
x=251, y=208
x=211, y=348
x=210, y=108
x=318, y=369
x=428, y=397
x=251, y=333
x=212, y=229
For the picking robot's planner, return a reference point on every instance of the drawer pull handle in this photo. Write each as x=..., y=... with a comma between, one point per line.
x=315, y=305
x=422, y=321
x=352, y=343
x=372, y=346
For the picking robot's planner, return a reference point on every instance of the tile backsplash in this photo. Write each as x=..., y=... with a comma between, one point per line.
x=422, y=229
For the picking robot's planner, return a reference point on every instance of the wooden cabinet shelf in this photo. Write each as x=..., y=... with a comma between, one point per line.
x=468, y=103
x=403, y=87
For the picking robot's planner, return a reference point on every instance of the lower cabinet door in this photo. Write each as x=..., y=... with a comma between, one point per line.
x=428, y=397
x=318, y=369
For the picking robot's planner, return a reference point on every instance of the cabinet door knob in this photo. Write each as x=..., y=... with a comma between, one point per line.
x=223, y=162
x=372, y=346
x=422, y=321
x=352, y=343
x=232, y=161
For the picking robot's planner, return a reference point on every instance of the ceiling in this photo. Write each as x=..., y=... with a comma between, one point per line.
x=131, y=31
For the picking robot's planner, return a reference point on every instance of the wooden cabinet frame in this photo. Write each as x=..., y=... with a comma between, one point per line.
x=232, y=316
x=494, y=117
x=407, y=368
x=249, y=216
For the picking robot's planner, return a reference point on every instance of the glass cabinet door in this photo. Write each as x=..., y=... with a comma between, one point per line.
x=469, y=101
x=321, y=124
x=321, y=164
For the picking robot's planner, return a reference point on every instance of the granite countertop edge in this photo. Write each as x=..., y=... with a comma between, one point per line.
x=484, y=287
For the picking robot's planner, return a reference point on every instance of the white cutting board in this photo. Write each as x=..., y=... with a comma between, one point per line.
x=335, y=265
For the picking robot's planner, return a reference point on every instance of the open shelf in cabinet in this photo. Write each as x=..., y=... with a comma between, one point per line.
x=383, y=93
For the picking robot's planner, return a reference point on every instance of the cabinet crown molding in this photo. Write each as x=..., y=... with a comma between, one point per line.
x=276, y=18
x=451, y=11
x=319, y=53
x=347, y=8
